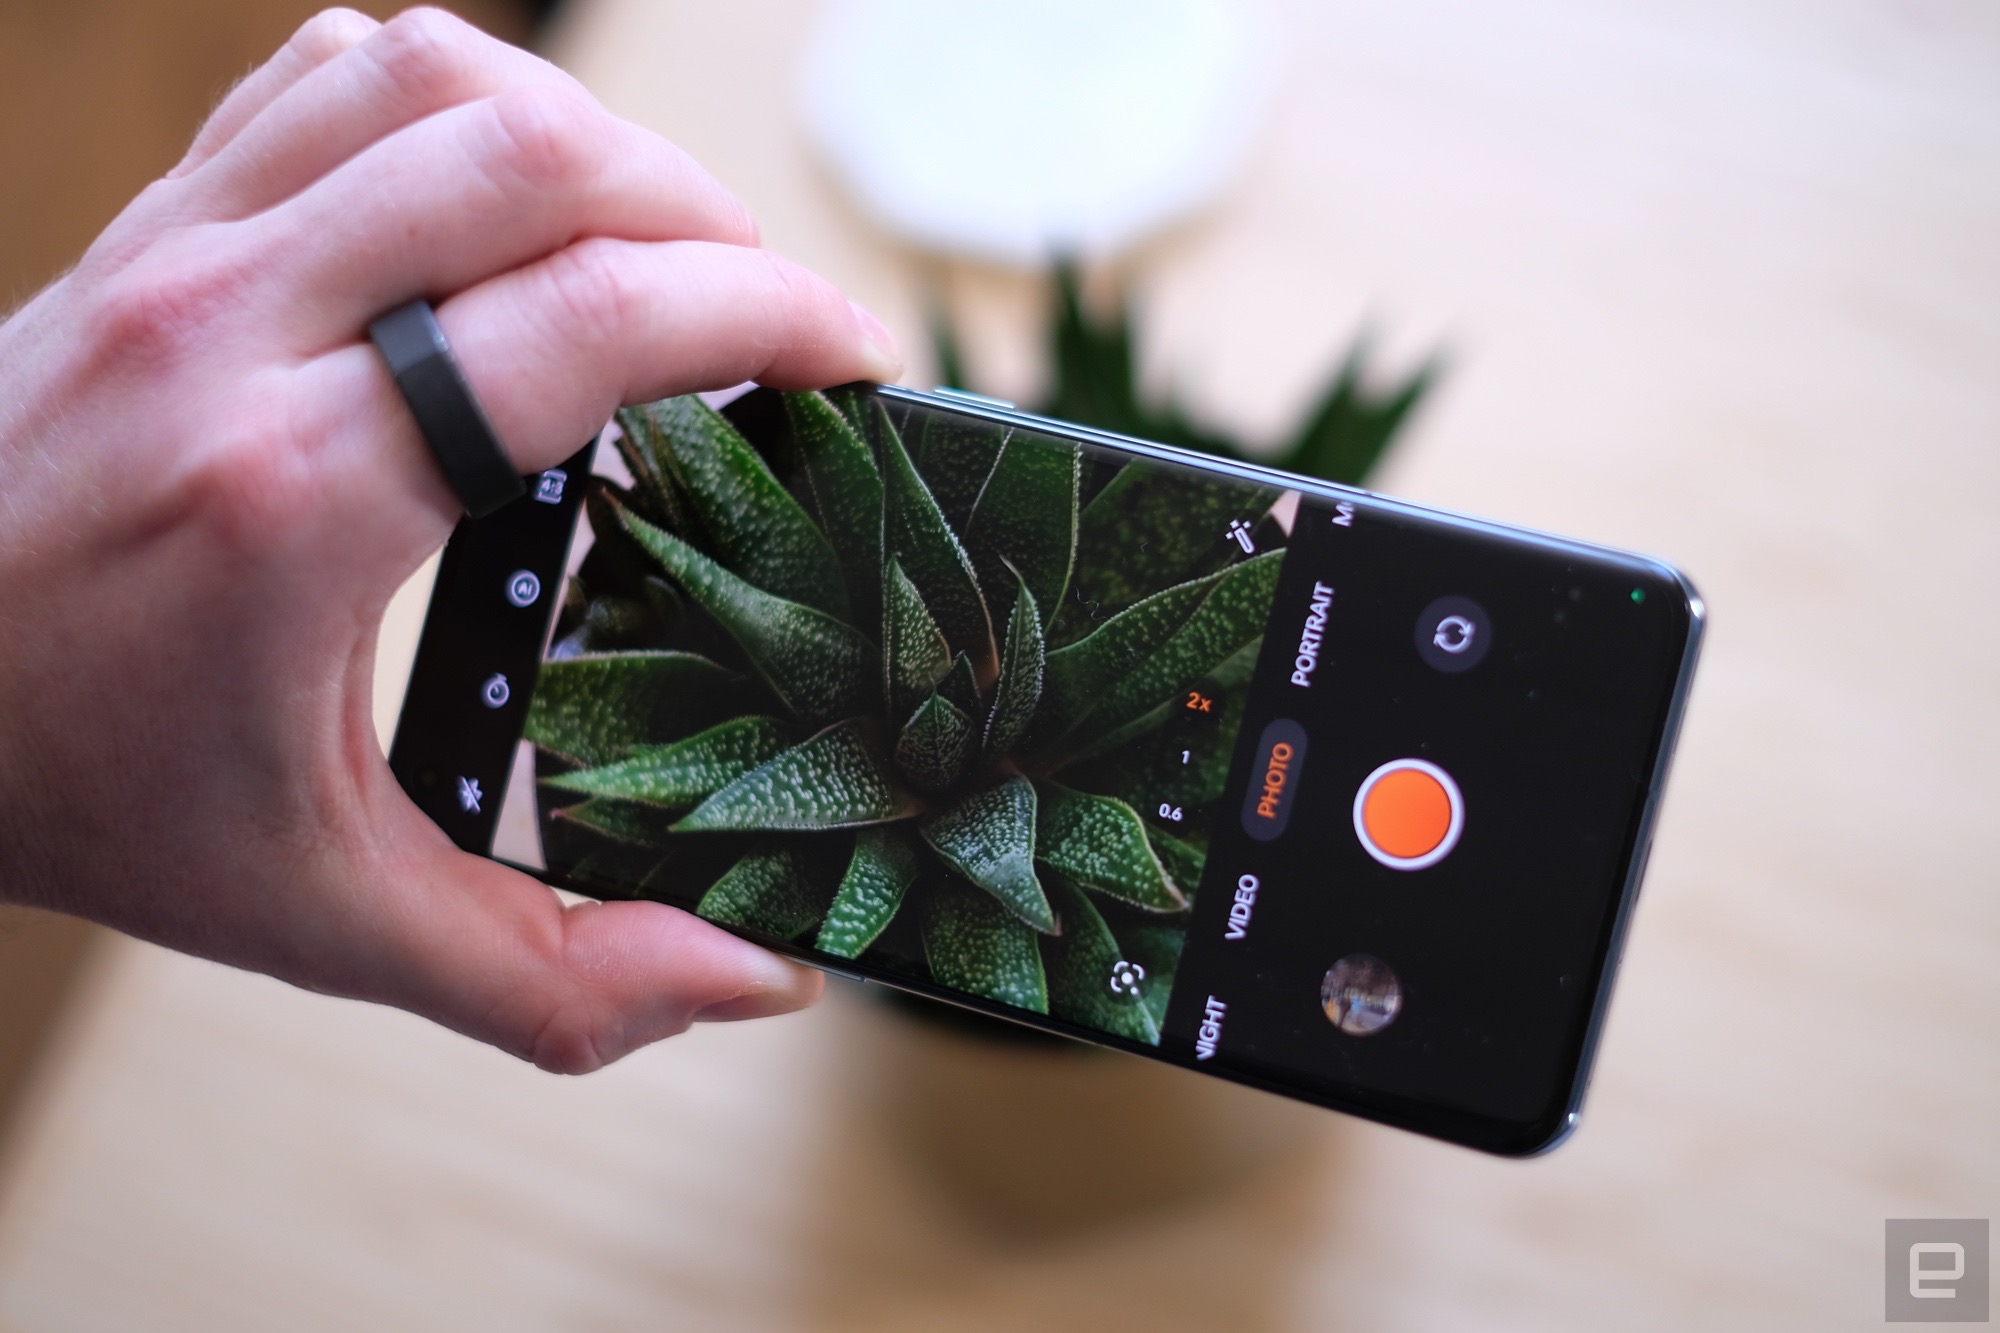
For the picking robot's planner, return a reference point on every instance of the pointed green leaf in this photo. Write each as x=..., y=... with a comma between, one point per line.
x=612, y=624
x=608, y=874
x=1100, y=844
x=1081, y=964
x=915, y=655
x=854, y=403
x=595, y=708
x=936, y=746
x=655, y=494
x=865, y=411
x=944, y=349
x=1229, y=618
x=615, y=564
x=989, y=837
x=956, y=456
x=765, y=891
x=1079, y=675
x=819, y=667
x=1025, y=520
x=1095, y=373
x=885, y=862
x=677, y=776
x=1019, y=689
x=959, y=686
x=838, y=779
x=626, y=821
x=1182, y=860
x=1347, y=433
x=931, y=555
x=847, y=489
x=752, y=524
x=975, y=945
x=1152, y=527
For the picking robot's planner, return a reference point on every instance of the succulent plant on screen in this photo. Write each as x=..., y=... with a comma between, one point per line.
x=909, y=686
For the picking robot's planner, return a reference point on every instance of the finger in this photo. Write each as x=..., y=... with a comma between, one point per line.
x=476, y=191
x=551, y=350
x=554, y=348
x=488, y=952
x=416, y=65
x=319, y=40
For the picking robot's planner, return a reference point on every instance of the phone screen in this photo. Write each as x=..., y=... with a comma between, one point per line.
x=1287, y=782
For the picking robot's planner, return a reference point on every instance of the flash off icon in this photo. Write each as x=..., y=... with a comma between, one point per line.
x=1935, y=1271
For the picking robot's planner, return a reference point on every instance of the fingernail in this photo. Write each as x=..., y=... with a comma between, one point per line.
x=783, y=988
x=884, y=357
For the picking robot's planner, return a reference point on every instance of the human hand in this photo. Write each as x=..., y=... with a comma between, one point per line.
x=209, y=489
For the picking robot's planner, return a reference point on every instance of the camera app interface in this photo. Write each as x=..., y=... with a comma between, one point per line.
x=1331, y=794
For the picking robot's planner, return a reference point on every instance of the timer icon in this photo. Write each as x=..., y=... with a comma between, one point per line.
x=495, y=692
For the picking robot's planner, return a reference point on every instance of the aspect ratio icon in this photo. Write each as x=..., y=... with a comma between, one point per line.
x=523, y=587
x=1453, y=634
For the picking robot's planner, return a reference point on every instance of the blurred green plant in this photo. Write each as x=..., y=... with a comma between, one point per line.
x=1094, y=381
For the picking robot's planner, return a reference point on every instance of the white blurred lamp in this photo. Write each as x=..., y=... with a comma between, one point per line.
x=1021, y=131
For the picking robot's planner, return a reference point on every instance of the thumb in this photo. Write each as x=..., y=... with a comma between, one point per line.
x=491, y=953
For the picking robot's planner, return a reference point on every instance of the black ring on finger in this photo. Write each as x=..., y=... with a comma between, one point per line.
x=450, y=419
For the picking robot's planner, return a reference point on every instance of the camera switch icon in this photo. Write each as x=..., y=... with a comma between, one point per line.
x=495, y=692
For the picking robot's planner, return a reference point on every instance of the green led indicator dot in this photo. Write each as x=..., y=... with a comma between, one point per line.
x=1638, y=596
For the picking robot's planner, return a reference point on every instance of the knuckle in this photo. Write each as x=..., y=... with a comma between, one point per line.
x=725, y=217
x=423, y=48
x=592, y=292
x=800, y=301
x=330, y=32
x=245, y=495
x=154, y=313
x=547, y=136
x=251, y=494
x=568, y=1042
x=739, y=224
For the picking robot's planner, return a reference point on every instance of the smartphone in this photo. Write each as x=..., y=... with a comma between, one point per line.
x=1280, y=781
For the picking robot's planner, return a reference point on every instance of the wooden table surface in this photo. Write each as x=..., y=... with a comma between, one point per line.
x=1720, y=281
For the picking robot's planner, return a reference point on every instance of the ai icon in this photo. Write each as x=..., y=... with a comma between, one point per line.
x=523, y=587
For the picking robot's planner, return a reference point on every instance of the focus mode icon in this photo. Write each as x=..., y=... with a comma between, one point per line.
x=1126, y=979
x=1274, y=781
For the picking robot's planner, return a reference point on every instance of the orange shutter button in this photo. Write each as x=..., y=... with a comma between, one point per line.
x=1408, y=814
